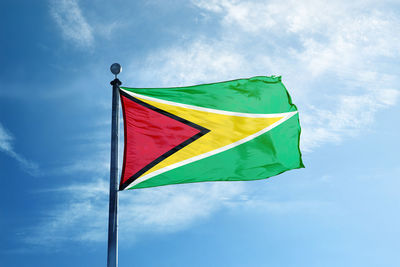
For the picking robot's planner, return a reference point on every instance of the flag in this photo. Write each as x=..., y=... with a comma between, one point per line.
x=245, y=129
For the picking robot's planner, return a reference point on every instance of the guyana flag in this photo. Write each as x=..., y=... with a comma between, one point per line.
x=244, y=129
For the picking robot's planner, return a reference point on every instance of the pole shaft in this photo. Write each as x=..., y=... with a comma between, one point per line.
x=112, y=256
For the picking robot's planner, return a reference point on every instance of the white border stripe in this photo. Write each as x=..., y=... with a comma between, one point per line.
x=286, y=116
x=211, y=110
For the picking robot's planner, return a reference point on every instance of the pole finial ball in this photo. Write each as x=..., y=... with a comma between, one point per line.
x=116, y=68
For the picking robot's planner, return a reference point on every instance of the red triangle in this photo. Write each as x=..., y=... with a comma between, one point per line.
x=151, y=135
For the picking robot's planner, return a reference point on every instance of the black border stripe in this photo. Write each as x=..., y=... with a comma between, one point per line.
x=202, y=132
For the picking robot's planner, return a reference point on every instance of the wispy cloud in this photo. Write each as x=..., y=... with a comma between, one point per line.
x=6, y=146
x=83, y=216
x=337, y=58
x=202, y=60
x=74, y=26
x=5, y=139
x=164, y=209
x=351, y=114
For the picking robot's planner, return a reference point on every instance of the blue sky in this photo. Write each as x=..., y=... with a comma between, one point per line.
x=338, y=59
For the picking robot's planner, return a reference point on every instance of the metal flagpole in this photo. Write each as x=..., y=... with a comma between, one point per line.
x=112, y=256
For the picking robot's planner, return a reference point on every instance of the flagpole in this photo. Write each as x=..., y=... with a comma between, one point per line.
x=112, y=256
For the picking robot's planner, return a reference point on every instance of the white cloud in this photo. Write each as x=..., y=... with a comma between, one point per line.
x=68, y=16
x=351, y=114
x=82, y=217
x=6, y=140
x=195, y=63
x=93, y=165
x=165, y=209
x=337, y=58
